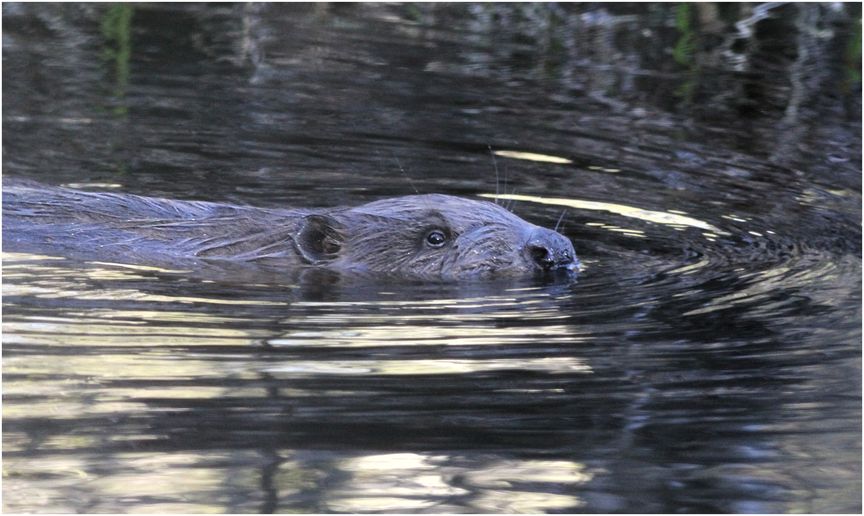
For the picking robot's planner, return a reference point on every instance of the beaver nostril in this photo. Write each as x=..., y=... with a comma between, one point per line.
x=550, y=250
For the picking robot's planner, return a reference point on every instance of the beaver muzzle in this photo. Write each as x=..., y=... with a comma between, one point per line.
x=550, y=250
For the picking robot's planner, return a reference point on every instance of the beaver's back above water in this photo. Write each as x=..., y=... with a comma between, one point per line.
x=419, y=235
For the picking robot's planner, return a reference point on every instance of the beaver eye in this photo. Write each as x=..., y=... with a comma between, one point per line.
x=436, y=238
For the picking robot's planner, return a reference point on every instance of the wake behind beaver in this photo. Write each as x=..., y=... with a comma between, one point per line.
x=426, y=236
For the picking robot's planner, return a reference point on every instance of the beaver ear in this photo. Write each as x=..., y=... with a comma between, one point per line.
x=320, y=238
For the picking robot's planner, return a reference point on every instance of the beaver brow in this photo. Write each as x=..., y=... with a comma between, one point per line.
x=427, y=220
x=486, y=226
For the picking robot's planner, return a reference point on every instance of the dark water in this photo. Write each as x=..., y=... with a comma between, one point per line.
x=707, y=360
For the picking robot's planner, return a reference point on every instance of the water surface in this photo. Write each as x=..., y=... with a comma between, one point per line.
x=707, y=163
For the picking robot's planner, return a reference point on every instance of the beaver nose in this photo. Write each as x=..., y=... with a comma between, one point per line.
x=550, y=250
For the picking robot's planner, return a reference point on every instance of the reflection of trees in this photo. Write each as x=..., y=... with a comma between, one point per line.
x=231, y=402
x=157, y=380
x=764, y=72
x=233, y=433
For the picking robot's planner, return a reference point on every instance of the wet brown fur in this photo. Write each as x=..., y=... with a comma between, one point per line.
x=387, y=236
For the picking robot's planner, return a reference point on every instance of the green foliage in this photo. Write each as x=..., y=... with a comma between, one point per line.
x=684, y=50
x=682, y=53
x=116, y=28
x=853, y=55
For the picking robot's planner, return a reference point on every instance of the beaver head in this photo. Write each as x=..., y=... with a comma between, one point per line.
x=432, y=235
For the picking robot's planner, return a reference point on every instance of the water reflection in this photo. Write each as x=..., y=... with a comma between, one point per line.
x=532, y=156
x=665, y=217
x=408, y=482
x=116, y=28
x=704, y=159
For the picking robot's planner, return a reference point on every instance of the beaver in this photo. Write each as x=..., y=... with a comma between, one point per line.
x=431, y=235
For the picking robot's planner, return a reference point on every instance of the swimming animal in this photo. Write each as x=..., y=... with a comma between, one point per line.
x=429, y=236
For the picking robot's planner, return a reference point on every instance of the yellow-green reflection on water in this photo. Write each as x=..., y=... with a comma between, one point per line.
x=532, y=156
x=151, y=355
x=692, y=267
x=36, y=278
x=659, y=217
x=23, y=263
x=149, y=484
x=402, y=482
x=97, y=333
x=617, y=229
x=388, y=483
x=394, y=482
x=430, y=366
x=415, y=335
x=92, y=185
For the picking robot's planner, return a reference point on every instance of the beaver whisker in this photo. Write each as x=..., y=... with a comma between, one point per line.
x=557, y=224
x=495, y=166
x=404, y=174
